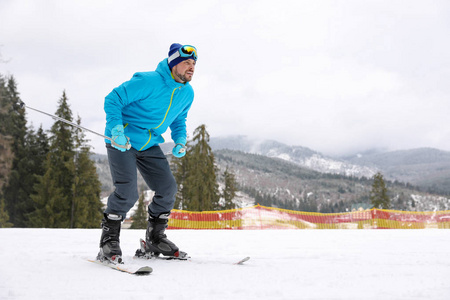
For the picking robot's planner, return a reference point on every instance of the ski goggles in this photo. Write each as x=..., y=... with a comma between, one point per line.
x=185, y=51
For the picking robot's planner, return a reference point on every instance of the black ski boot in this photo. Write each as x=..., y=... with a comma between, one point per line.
x=155, y=239
x=109, y=242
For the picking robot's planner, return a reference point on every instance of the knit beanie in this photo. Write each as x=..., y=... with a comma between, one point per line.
x=174, y=48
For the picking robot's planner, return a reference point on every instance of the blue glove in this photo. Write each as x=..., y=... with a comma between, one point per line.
x=119, y=137
x=180, y=149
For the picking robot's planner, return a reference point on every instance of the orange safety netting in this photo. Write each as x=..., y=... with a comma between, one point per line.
x=261, y=217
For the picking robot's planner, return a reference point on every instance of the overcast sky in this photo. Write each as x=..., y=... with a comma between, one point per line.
x=334, y=76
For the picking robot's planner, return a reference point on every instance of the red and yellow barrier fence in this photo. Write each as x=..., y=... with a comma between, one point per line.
x=261, y=217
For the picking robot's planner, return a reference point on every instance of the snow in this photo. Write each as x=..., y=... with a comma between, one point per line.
x=284, y=264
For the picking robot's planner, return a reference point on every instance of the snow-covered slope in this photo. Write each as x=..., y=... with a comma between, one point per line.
x=285, y=264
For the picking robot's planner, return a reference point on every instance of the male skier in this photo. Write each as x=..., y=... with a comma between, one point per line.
x=138, y=112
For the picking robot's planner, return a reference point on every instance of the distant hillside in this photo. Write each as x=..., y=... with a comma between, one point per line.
x=275, y=182
x=299, y=155
x=426, y=168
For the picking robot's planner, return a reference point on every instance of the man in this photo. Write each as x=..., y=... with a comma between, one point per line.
x=138, y=112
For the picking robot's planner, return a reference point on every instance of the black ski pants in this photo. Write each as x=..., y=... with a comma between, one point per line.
x=154, y=168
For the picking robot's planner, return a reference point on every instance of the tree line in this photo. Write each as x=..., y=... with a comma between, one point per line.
x=378, y=198
x=47, y=178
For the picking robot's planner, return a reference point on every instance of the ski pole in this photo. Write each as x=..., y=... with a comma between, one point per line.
x=126, y=146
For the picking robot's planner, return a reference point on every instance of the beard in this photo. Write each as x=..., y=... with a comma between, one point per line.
x=183, y=77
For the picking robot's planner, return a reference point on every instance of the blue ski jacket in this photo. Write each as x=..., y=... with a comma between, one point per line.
x=147, y=105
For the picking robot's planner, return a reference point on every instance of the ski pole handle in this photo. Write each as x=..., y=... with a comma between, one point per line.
x=126, y=146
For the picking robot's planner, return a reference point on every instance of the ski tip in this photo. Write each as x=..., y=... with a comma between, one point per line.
x=243, y=260
x=144, y=271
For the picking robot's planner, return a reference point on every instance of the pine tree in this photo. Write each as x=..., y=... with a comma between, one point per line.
x=86, y=210
x=230, y=189
x=21, y=180
x=37, y=144
x=54, y=190
x=204, y=178
x=196, y=175
x=6, y=140
x=140, y=216
x=379, y=194
x=6, y=154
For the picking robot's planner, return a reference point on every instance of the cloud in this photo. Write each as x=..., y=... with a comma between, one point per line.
x=335, y=76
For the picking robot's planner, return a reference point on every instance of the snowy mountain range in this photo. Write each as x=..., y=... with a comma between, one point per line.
x=424, y=167
x=299, y=155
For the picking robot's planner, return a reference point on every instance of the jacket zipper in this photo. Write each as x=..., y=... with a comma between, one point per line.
x=165, y=116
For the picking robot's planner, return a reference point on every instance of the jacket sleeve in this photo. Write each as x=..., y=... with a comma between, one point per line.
x=178, y=126
x=133, y=90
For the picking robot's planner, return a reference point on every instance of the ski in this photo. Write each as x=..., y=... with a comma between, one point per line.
x=180, y=255
x=242, y=261
x=142, y=254
x=146, y=270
